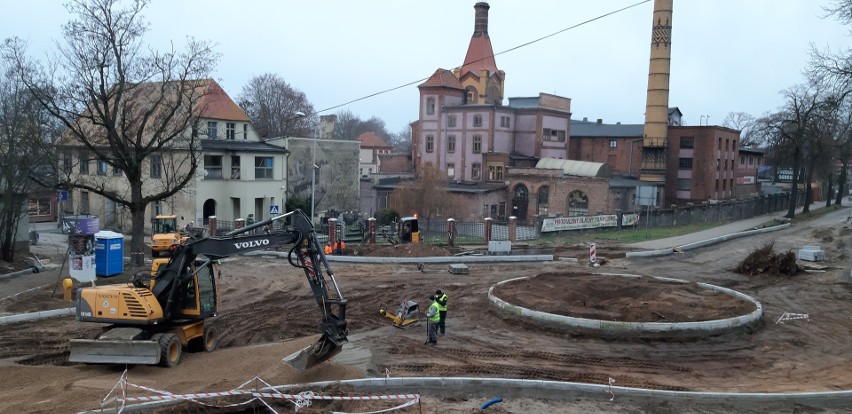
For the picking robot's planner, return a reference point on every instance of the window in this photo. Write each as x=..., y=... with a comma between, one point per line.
x=212, y=167
x=720, y=143
x=262, y=168
x=477, y=120
x=451, y=120
x=613, y=143
x=451, y=143
x=84, y=163
x=742, y=159
x=477, y=144
x=212, y=129
x=66, y=162
x=495, y=172
x=116, y=172
x=102, y=167
x=687, y=142
x=451, y=170
x=685, y=163
x=684, y=184
x=476, y=171
x=543, y=198
x=554, y=135
x=471, y=95
x=235, y=167
x=501, y=209
x=578, y=203
x=504, y=121
x=84, y=202
x=230, y=130
x=156, y=166
x=727, y=144
x=156, y=208
x=245, y=132
x=430, y=106
x=430, y=143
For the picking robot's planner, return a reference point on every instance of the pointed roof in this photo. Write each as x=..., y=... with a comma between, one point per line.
x=442, y=78
x=480, y=54
x=216, y=104
x=371, y=140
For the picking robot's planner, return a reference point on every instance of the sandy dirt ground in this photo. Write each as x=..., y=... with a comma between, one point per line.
x=267, y=312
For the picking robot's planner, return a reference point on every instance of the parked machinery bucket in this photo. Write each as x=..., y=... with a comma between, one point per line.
x=100, y=351
x=321, y=351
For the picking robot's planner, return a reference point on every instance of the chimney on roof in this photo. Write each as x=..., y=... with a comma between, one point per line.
x=480, y=26
x=585, y=119
x=600, y=121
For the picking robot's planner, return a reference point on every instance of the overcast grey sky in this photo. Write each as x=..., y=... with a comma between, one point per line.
x=727, y=55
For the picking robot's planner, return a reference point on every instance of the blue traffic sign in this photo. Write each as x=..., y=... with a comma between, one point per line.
x=273, y=209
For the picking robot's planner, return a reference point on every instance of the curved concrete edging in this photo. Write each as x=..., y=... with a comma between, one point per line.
x=32, y=316
x=522, y=388
x=434, y=259
x=637, y=328
x=704, y=243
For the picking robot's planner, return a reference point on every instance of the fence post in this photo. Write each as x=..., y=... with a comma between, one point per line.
x=371, y=230
x=332, y=232
x=211, y=225
x=488, y=223
x=451, y=232
x=513, y=229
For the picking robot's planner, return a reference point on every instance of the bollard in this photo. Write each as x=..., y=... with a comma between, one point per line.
x=371, y=229
x=451, y=232
x=67, y=287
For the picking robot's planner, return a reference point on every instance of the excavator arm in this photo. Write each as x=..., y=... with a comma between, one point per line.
x=306, y=254
x=173, y=281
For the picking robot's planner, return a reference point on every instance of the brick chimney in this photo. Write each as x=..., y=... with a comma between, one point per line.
x=480, y=26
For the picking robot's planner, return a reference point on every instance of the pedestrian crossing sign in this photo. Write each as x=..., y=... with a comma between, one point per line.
x=273, y=209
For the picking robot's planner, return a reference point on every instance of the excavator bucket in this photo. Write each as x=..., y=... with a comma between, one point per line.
x=321, y=351
x=99, y=351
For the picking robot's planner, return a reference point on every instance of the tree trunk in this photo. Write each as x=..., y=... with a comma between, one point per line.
x=791, y=208
x=809, y=196
x=828, y=190
x=137, y=214
x=841, y=183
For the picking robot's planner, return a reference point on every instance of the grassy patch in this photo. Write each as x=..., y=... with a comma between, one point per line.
x=819, y=212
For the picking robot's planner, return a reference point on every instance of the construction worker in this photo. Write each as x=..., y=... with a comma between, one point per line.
x=339, y=246
x=441, y=300
x=327, y=249
x=432, y=319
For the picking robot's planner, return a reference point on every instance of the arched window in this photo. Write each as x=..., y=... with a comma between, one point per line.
x=578, y=203
x=543, y=200
x=520, y=202
x=470, y=96
x=209, y=209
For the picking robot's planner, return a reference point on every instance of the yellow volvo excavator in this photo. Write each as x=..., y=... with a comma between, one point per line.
x=153, y=318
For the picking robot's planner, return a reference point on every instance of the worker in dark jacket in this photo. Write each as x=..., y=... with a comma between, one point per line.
x=432, y=319
x=441, y=299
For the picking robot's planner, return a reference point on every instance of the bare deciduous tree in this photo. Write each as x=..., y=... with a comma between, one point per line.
x=272, y=104
x=745, y=123
x=25, y=133
x=401, y=141
x=426, y=196
x=122, y=102
x=349, y=126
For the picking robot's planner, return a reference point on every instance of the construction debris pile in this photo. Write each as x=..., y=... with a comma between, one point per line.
x=766, y=260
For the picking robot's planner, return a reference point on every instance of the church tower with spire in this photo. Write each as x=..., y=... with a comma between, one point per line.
x=482, y=81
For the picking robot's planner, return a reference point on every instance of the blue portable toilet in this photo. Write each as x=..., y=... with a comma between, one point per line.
x=109, y=253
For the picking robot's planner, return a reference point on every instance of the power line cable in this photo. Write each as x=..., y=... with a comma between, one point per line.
x=491, y=56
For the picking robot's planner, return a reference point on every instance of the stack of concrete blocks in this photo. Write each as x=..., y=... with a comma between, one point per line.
x=458, y=269
x=811, y=253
